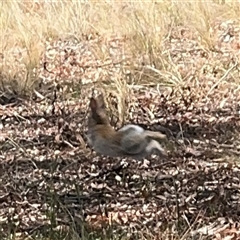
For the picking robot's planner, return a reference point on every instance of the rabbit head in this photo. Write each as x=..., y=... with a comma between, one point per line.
x=98, y=113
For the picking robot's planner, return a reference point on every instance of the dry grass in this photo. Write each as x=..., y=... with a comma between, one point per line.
x=147, y=29
x=146, y=25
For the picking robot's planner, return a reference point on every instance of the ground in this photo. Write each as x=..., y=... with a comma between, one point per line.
x=53, y=186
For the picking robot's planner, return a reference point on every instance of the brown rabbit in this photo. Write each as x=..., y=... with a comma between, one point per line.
x=131, y=140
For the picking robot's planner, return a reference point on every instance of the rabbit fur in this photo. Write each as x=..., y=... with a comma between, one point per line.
x=129, y=141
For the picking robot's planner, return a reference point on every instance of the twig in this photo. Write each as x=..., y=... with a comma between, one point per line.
x=39, y=95
x=224, y=76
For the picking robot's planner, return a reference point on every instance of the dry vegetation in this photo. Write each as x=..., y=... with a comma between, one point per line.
x=169, y=65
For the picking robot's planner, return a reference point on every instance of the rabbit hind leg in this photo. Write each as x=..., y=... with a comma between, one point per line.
x=154, y=146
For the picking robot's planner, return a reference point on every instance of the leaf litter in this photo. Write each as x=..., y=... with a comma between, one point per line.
x=50, y=177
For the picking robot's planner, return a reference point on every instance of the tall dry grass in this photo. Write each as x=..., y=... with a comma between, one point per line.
x=27, y=25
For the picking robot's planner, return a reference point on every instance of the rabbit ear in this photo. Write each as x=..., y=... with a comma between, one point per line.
x=93, y=104
x=100, y=101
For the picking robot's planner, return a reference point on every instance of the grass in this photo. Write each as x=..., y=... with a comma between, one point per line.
x=148, y=29
x=146, y=25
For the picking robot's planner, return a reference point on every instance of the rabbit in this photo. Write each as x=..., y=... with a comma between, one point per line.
x=129, y=141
